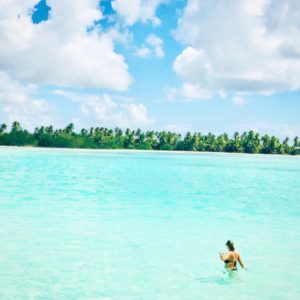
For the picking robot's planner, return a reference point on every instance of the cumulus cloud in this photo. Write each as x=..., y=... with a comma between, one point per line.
x=110, y=110
x=242, y=47
x=133, y=11
x=143, y=52
x=156, y=43
x=154, y=47
x=60, y=51
x=188, y=92
x=19, y=102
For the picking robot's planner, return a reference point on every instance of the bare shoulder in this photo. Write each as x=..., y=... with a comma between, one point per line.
x=232, y=255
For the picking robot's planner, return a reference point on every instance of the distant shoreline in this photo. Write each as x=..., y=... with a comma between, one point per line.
x=117, y=139
x=144, y=151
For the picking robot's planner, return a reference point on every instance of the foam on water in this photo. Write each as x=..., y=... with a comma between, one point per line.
x=80, y=224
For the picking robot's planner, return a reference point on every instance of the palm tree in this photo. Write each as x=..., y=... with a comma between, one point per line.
x=69, y=129
x=266, y=144
x=49, y=130
x=210, y=143
x=285, y=148
x=151, y=139
x=118, y=132
x=15, y=127
x=129, y=139
x=234, y=145
x=221, y=142
x=275, y=145
x=91, y=133
x=3, y=127
x=251, y=142
x=83, y=132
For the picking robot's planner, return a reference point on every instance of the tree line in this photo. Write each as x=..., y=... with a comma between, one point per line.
x=105, y=138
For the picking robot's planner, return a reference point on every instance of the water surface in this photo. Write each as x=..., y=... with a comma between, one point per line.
x=83, y=224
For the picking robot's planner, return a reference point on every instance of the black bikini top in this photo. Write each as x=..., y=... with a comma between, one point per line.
x=229, y=261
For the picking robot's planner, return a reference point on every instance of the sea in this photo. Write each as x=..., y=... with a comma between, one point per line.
x=91, y=224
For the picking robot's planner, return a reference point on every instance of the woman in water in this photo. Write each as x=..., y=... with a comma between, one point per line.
x=231, y=257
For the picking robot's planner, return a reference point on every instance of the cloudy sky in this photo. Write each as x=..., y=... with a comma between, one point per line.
x=198, y=65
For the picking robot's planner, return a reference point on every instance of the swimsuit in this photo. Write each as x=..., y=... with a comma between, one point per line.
x=229, y=261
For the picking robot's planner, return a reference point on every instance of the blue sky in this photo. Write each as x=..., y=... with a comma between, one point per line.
x=164, y=65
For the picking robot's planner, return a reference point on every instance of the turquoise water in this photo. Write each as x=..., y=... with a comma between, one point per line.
x=83, y=224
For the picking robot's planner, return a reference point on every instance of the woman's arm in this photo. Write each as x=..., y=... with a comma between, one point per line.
x=224, y=256
x=221, y=256
x=240, y=262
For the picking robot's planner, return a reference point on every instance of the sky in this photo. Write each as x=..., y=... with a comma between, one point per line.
x=179, y=65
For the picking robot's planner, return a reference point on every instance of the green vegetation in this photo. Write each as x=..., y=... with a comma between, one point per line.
x=103, y=138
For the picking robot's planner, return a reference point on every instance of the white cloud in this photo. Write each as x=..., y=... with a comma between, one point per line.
x=156, y=42
x=238, y=100
x=60, y=51
x=133, y=11
x=143, y=52
x=109, y=110
x=193, y=66
x=280, y=130
x=154, y=47
x=19, y=102
x=156, y=21
x=188, y=92
x=135, y=114
x=249, y=46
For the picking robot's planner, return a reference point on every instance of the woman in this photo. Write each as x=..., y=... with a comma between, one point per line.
x=231, y=257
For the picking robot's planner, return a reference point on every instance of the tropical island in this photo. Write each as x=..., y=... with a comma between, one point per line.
x=105, y=138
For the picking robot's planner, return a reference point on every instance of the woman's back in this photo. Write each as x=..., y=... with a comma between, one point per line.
x=231, y=257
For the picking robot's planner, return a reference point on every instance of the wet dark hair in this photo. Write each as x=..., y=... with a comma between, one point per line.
x=230, y=245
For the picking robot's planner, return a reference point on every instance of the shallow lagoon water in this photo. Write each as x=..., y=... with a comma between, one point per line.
x=84, y=224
